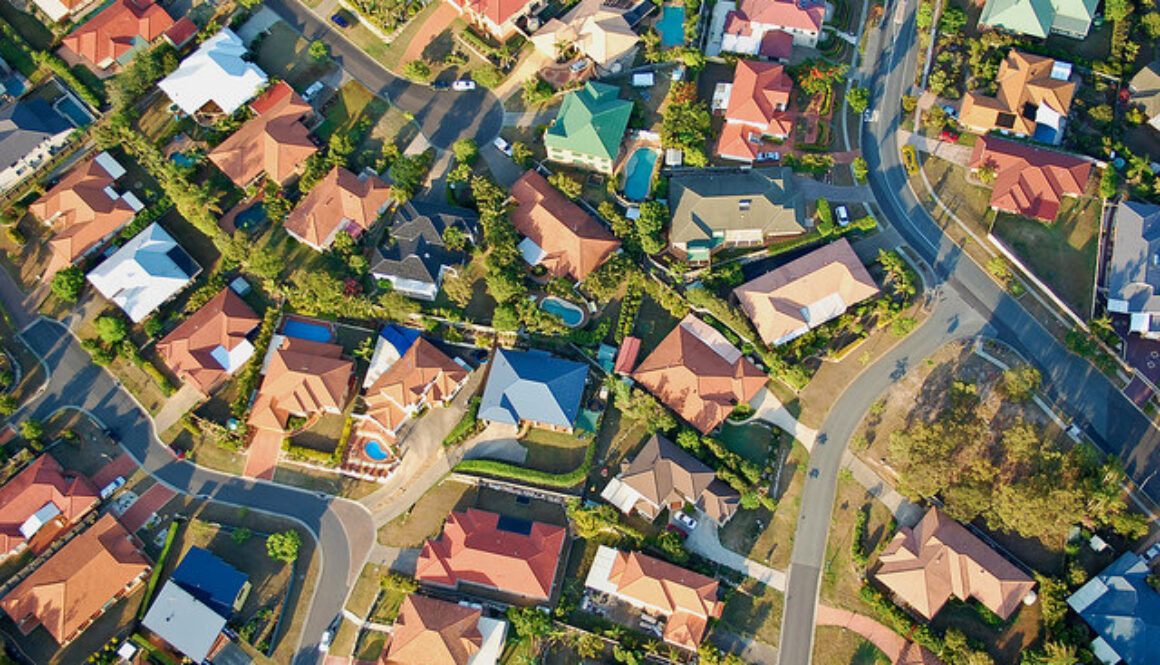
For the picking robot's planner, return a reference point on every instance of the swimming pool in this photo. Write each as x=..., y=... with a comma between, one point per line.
x=75, y=112
x=374, y=450
x=250, y=217
x=183, y=160
x=672, y=25
x=638, y=173
x=314, y=332
x=571, y=314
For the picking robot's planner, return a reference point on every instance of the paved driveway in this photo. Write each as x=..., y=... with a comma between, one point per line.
x=704, y=541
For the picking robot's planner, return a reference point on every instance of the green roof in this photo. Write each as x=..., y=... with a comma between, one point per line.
x=591, y=121
x=1028, y=17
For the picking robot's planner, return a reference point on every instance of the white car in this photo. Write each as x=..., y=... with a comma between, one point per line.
x=463, y=85
x=843, y=215
x=579, y=66
x=502, y=145
x=687, y=521
x=313, y=90
x=324, y=643
x=110, y=489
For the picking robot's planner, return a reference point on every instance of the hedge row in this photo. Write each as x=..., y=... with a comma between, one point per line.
x=629, y=307
x=467, y=427
x=536, y=477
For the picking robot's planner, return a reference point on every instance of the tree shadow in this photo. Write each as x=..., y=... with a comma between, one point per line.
x=440, y=46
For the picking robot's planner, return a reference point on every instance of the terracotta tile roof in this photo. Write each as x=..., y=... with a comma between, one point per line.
x=1030, y=181
x=81, y=212
x=434, y=632
x=75, y=584
x=498, y=11
x=424, y=375
x=1025, y=83
x=939, y=558
x=340, y=202
x=777, y=44
x=275, y=142
x=303, y=378
x=760, y=95
x=805, y=292
x=736, y=140
x=574, y=243
x=181, y=32
x=688, y=599
x=483, y=548
x=40, y=483
x=698, y=374
x=195, y=349
x=117, y=29
x=784, y=13
x=916, y=654
x=626, y=356
x=664, y=474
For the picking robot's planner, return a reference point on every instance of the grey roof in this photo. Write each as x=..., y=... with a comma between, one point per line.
x=24, y=125
x=184, y=622
x=534, y=386
x=1134, y=272
x=705, y=203
x=661, y=472
x=1145, y=87
x=416, y=250
x=1123, y=609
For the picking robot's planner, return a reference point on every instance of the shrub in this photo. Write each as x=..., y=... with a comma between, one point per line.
x=860, y=168
x=416, y=70
x=567, y=185
x=283, y=546
x=111, y=329
x=67, y=284
x=467, y=427
x=487, y=76
x=533, y=476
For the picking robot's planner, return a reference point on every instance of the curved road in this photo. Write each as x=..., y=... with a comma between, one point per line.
x=343, y=529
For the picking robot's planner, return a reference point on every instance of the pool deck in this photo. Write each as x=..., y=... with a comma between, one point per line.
x=227, y=220
x=630, y=148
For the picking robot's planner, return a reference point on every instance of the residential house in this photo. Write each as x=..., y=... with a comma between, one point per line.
x=212, y=344
x=698, y=374
x=558, y=234
x=759, y=97
x=216, y=80
x=1133, y=275
x=685, y=599
x=1145, y=92
x=12, y=83
x=185, y=623
x=788, y=302
x=217, y=584
x=760, y=27
x=111, y=39
x=424, y=377
x=274, y=144
x=391, y=345
x=181, y=33
x=1029, y=181
x=341, y=201
x=938, y=558
x=597, y=30
x=496, y=17
x=1033, y=98
x=1124, y=611
x=415, y=258
x=533, y=388
x=491, y=551
x=303, y=379
x=147, y=271
x=31, y=131
x=1039, y=18
x=589, y=128
x=61, y=10
x=664, y=476
x=40, y=503
x=712, y=211
x=428, y=631
x=84, y=210
x=78, y=583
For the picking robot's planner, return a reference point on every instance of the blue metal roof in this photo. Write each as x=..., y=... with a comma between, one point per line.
x=399, y=337
x=1123, y=609
x=209, y=579
x=533, y=386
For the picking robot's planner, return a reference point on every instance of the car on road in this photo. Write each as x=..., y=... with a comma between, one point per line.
x=463, y=85
x=843, y=215
x=440, y=85
x=324, y=643
x=686, y=520
x=502, y=145
x=339, y=20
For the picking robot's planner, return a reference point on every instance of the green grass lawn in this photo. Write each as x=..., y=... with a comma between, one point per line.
x=387, y=607
x=366, y=588
x=27, y=26
x=754, y=610
x=284, y=54
x=425, y=519
x=353, y=102
x=554, y=451
x=653, y=322
x=752, y=441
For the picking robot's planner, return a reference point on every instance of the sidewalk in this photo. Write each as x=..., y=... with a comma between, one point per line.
x=903, y=510
x=887, y=641
x=768, y=408
x=951, y=152
x=176, y=406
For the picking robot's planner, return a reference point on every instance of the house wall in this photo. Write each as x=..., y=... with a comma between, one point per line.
x=551, y=428
x=29, y=163
x=593, y=162
x=411, y=287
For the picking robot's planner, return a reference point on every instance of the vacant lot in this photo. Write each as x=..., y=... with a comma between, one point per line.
x=841, y=579
x=425, y=519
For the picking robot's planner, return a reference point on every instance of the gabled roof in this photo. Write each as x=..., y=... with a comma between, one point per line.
x=533, y=386
x=416, y=250
x=434, y=632
x=148, y=270
x=599, y=31
x=210, y=580
x=663, y=473
x=83, y=208
x=120, y=29
x=216, y=72
x=1145, y=88
x=573, y=243
x=1134, y=272
x=759, y=90
x=1025, y=83
x=39, y=484
x=211, y=344
x=340, y=201
x=591, y=121
x=1030, y=181
x=742, y=142
x=303, y=378
x=697, y=373
x=1123, y=609
x=498, y=11
x=1028, y=17
x=24, y=125
x=77, y=581
x=705, y=204
x=187, y=624
x=804, y=15
x=275, y=142
x=806, y=292
x=776, y=44
x=487, y=549
x=688, y=599
x=423, y=375
x=939, y=558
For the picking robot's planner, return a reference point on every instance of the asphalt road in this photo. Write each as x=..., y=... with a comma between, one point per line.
x=443, y=115
x=343, y=529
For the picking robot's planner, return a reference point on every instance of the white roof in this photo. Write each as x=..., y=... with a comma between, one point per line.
x=643, y=80
x=133, y=201
x=532, y=252
x=215, y=72
x=621, y=495
x=822, y=310
x=1061, y=71
x=111, y=166
x=601, y=570
x=184, y=622
x=127, y=650
x=494, y=632
x=145, y=272
x=231, y=360
x=385, y=356
x=38, y=519
x=1104, y=652
x=712, y=338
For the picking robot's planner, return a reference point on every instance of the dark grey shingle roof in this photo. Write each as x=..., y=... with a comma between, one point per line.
x=24, y=125
x=1134, y=271
x=416, y=251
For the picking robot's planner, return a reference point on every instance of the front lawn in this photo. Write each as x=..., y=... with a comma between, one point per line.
x=284, y=54
x=839, y=646
x=971, y=203
x=350, y=105
x=754, y=610
x=425, y=519
x=765, y=536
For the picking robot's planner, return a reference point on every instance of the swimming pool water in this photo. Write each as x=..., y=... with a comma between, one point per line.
x=672, y=25
x=313, y=332
x=183, y=160
x=374, y=450
x=571, y=314
x=250, y=217
x=74, y=111
x=638, y=173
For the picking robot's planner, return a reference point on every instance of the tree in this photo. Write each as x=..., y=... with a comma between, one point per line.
x=283, y=546
x=986, y=173
x=529, y=623
x=1109, y=183
x=521, y=154
x=568, y=186
x=32, y=429
x=816, y=76
x=858, y=98
x=909, y=103
x=1102, y=114
x=319, y=50
x=7, y=405
x=111, y=329
x=416, y=70
x=1020, y=382
x=1151, y=24
x=642, y=408
x=465, y=150
x=1117, y=10
x=925, y=16
x=1057, y=652
x=67, y=284
x=650, y=225
x=536, y=90
x=241, y=535
x=953, y=20
x=860, y=168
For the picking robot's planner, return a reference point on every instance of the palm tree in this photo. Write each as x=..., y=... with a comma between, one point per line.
x=1138, y=165
x=1058, y=653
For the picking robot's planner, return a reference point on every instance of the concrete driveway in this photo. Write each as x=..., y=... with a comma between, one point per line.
x=768, y=408
x=704, y=541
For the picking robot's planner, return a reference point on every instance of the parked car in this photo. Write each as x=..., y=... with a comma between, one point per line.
x=313, y=90
x=502, y=145
x=950, y=110
x=339, y=20
x=768, y=157
x=108, y=490
x=687, y=521
x=463, y=85
x=843, y=215
x=579, y=66
x=948, y=136
x=440, y=85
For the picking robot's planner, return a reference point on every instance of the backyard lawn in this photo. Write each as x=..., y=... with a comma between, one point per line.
x=284, y=54
x=554, y=452
x=653, y=322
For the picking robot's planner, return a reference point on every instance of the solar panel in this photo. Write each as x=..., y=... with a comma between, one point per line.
x=182, y=260
x=514, y=525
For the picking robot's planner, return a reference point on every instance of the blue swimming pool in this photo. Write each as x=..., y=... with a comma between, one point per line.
x=638, y=173
x=571, y=314
x=251, y=217
x=314, y=332
x=672, y=25
x=183, y=160
x=75, y=112
x=374, y=450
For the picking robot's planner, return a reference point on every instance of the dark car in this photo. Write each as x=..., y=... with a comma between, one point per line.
x=340, y=21
x=440, y=85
